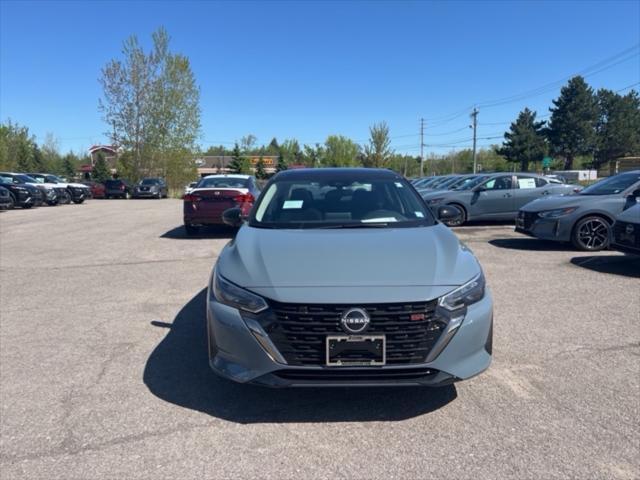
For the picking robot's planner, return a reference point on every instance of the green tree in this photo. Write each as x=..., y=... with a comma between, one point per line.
x=100, y=171
x=69, y=166
x=571, y=130
x=312, y=155
x=378, y=152
x=524, y=142
x=237, y=164
x=618, y=126
x=273, y=148
x=261, y=173
x=282, y=163
x=151, y=103
x=340, y=151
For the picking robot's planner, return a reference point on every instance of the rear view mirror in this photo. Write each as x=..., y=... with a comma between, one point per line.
x=232, y=217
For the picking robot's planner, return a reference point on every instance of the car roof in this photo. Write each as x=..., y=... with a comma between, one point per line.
x=230, y=175
x=336, y=173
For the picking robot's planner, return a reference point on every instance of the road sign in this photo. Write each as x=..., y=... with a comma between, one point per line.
x=546, y=162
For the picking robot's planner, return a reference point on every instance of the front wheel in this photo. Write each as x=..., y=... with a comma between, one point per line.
x=12, y=202
x=459, y=220
x=78, y=201
x=591, y=234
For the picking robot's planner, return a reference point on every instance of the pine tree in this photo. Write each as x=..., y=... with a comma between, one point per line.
x=260, y=171
x=571, y=130
x=235, y=166
x=524, y=142
x=282, y=164
x=100, y=169
x=69, y=169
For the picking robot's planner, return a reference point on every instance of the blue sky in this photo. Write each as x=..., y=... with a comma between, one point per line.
x=309, y=69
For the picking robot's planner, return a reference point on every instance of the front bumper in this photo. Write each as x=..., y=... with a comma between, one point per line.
x=530, y=223
x=144, y=194
x=237, y=354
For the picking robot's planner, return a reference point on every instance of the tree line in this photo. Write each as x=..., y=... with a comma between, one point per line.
x=20, y=152
x=151, y=104
x=595, y=127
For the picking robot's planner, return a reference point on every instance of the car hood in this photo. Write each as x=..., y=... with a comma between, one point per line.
x=376, y=264
x=40, y=185
x=560, y=201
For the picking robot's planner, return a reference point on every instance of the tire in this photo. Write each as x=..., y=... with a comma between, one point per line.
x=191, y=230
x=591, y=234
x=27, y=207
x=461, y=220
x=78, y=202
x=12, y=203
x=159, y=195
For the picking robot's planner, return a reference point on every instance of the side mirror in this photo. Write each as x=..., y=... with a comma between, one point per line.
x=447, y=212
x=232, y=217
x=635, y=194
x=480, y=188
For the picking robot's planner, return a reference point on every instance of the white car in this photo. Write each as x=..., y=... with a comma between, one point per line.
x=77, y=192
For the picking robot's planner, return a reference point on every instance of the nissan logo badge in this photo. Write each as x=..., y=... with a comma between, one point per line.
x=355, y=320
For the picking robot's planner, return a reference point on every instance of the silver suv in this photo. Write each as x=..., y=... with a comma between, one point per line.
x=344, y=277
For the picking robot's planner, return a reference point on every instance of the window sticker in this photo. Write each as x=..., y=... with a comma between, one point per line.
x=527, y=182
x=291, y=204
x=419, y=214
x=398, y=184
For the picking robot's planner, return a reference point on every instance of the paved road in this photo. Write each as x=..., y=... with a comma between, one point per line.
x=103, y=368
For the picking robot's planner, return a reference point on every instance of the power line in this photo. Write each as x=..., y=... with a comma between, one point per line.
x=620, y=57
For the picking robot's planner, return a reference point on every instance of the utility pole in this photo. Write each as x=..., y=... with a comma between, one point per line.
x=422, y=147
x=474, y=116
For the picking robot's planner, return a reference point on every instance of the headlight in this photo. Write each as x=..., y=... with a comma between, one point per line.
x=469, y=293
x=434, y=201
x=234, y=296
x=558, y=212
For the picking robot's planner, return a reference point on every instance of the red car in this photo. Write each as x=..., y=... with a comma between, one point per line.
x=213, y=195
x=97, y=189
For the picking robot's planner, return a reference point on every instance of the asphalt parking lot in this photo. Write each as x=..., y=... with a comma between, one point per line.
x=103, y=369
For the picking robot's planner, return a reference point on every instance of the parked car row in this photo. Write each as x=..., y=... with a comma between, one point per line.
x=34, y=189
x=543, y=206
x=151, y=187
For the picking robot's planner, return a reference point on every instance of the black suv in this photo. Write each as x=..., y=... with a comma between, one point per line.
x=117, y=189
x=22, y=194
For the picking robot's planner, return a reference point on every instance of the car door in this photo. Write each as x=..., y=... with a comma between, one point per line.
x=528, y=188
x=494, y=199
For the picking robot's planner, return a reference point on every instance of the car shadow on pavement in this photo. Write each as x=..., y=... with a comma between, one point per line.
x=533, y=244
x=625, y=265
x=179, y=233
x=177, y=371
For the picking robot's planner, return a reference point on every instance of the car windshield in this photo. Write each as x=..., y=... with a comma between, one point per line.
x=612, y=185
x=150, y=181
x=469, y=182
x=25, y=178
x=341, y=200
x=6, y=180
x=54, y=179
x=448, y=183
x=223, y=182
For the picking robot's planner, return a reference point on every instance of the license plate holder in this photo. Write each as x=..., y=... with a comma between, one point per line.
x=341, y=350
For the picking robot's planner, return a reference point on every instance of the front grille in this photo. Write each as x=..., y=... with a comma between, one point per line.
x=621, y=236
x=299, y=331
x=527, y=219
x=349, y=375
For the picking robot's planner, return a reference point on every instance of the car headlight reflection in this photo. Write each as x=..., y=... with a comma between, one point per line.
x=558, y=212
x=468, y=294
x=234, y=296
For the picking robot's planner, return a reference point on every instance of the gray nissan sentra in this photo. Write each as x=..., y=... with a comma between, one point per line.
x=344, y=277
